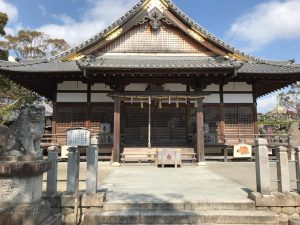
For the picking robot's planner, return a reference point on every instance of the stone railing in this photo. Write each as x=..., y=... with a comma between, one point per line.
x=71, y=200
x=284, y=201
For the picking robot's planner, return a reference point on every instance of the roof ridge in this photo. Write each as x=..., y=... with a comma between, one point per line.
x=20, y=63
x=172, y=6
x=98, y=35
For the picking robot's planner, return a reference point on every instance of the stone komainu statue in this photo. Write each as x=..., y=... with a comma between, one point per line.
x=24, y=136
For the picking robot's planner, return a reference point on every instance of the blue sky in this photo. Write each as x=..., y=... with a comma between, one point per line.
x=268, y=29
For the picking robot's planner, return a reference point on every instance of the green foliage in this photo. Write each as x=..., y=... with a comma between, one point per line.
x=3, y=22
x=21, y=96
x=29, y=44
x=26, y=44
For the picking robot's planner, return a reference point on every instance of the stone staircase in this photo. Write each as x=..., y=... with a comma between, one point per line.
x=187, y=213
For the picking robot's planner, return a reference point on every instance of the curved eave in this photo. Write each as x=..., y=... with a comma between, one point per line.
x=75, y=52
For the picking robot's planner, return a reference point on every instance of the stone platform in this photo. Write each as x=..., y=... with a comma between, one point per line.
x=186, y=184
x=188, y=195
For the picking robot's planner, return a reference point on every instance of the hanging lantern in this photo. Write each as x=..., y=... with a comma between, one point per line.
x=160, y=104
x=177, y=103
x=169, y=100
x=142, y=104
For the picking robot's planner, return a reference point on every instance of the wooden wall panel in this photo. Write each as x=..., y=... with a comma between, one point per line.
x=144, y=39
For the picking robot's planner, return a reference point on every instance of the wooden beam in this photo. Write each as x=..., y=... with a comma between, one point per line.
x=200, y=132
x=117, y=139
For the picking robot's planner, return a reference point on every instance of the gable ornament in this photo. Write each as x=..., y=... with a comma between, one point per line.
x=155, y=18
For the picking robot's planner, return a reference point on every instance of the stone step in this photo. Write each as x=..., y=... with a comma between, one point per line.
x=121, y=205
x=195, y=224
x=53, y=220
x=180, y=217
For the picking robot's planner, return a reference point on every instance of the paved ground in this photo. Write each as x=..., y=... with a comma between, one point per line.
x=187, y=184
x=242, y=173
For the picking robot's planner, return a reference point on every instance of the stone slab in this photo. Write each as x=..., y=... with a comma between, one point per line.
x=181, y=217
x=276, y=199
x=294, y=221
x=16, y=190
x=23, y=168
x=85, y=200
x=53, y=220
x=25, y=215
x=110, y=206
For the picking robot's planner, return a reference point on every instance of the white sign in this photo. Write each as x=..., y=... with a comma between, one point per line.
x=78, y=137
x=242, y=151
x=169, y=156
x=105, y=128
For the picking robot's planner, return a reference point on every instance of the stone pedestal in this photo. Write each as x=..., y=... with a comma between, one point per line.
x=21, y=191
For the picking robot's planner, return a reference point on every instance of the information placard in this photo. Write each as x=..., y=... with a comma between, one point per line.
x=242, y=151
x=78, y=137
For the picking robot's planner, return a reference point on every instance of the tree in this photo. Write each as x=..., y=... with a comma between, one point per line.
x=25, y=45
x=30, y=44
x=290, y=101
x=3, y=22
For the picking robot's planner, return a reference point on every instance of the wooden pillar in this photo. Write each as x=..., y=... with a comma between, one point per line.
x=116, y=146
x=88, y=119
x=200, y=132
x=254, y=108
x=188, y=116
x=222, y=117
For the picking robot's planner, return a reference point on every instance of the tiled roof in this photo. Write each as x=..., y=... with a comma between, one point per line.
x=150, y=62
x=268, y=68
x=39, y=66
x=157, y=62
x=133, y=11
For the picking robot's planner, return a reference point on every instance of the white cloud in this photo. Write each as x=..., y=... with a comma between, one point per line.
x=43, y=10
x=98, y=15
x=268, y=22
x=267, y=103
x=10, y=10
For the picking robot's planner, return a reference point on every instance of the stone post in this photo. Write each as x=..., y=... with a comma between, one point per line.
x=92, y=170
x=263, y=182
x=52, y=173
x=297, y=159
x=73, y=156
x=283, y=170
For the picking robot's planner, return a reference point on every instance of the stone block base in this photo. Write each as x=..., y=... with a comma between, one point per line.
x=286, y=206
x=34, y=214
x=21, y=182
x=115, y=164
x=85, y=201
x=54, y=220
x=276, y=199
x=294, y=221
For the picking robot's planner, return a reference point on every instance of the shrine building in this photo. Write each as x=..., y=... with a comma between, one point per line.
x=158, y=79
